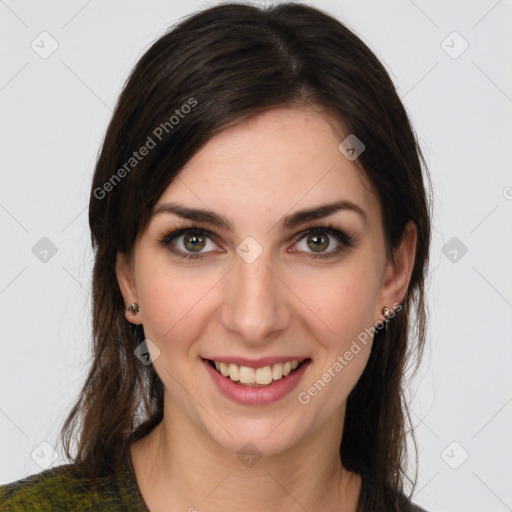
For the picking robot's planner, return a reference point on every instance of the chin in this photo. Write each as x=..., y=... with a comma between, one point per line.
x=260, y=437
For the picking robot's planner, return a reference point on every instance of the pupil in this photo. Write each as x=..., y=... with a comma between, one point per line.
x=316, y=239
x=195, y=241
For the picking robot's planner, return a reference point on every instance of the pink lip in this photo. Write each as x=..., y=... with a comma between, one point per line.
x=257, y=363
x=255, y=395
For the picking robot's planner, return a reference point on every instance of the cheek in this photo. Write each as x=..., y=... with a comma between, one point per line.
x=341, y=302
x=343, y=337
x=173, y=302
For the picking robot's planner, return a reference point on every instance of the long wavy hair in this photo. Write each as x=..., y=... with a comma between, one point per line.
x=212, y=70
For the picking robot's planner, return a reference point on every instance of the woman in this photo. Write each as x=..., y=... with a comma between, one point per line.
x=262, y=232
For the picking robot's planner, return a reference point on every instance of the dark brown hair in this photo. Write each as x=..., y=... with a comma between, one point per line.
x=212, y=70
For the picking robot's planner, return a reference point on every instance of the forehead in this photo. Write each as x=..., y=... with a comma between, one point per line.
x=275, y=162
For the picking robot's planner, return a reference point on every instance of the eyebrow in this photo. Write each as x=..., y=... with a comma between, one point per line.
x=290, y=221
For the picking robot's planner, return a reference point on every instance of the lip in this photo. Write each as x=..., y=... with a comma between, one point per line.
x=256, y=395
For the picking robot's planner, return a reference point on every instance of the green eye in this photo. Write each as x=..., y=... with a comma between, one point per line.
x=316, y=240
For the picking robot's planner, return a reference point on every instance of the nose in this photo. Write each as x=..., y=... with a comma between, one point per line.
x=255, y=304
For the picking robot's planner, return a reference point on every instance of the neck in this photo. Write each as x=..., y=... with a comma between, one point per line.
x=179, y=464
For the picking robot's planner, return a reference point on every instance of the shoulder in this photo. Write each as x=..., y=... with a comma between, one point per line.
x=374, y=498
x=60, y=488
x=408, y=506
x=49, y=486
x=405, y=504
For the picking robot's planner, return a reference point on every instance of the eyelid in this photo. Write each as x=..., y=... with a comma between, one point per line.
x=344, y=239
x=167, y=240
x=184, y=230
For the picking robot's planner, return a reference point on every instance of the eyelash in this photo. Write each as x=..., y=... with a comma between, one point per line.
x=345, y=240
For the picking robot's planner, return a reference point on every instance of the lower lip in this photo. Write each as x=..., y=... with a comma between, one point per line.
x=256, y=395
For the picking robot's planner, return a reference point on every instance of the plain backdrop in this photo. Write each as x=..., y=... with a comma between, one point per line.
x=63, y=65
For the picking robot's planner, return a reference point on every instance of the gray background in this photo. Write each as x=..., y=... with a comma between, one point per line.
x=54, y=111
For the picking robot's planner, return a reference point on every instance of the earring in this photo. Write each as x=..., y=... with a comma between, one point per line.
x=386, y=313
x=134, y=308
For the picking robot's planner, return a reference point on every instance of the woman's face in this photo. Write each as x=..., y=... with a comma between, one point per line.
x=255, y=291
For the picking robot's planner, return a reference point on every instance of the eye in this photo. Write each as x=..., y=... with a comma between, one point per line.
x=194, y=242
x=188, y=242
x=319, y=238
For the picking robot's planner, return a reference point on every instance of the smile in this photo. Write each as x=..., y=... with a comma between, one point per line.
x=256, y=377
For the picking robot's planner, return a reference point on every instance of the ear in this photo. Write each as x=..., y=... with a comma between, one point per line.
x=398, y=273
x=126, y=283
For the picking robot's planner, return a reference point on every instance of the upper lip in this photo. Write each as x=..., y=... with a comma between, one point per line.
x=257, y=363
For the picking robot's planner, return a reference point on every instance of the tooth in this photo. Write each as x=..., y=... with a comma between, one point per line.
x=246, y=375
x=224, y=369
x=264, y=375
x=234, y=372
x=277, y=371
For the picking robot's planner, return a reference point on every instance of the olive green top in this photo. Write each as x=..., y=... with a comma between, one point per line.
x=63, y=489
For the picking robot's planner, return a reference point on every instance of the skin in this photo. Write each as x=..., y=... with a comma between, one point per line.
x=283, y=303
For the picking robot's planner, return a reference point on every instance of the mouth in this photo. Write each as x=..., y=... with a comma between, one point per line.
x=257, y=377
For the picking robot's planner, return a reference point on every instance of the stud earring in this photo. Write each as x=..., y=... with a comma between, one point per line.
x=386, y=313
x=134, y=308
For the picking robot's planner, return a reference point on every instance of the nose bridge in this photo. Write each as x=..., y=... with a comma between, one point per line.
x=253, y=305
